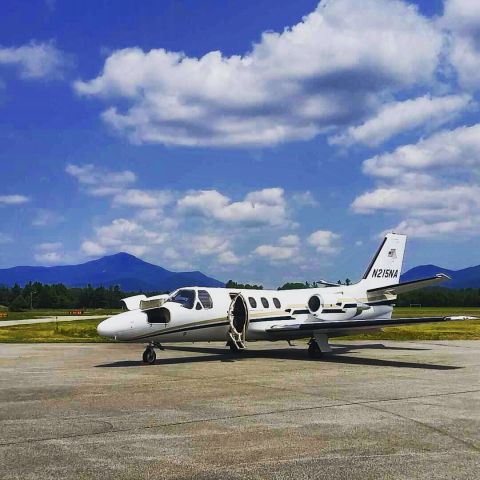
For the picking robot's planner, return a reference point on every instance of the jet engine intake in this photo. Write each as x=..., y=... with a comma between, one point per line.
x=332, y=307
x=319, y=302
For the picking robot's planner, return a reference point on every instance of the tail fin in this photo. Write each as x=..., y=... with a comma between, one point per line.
x=386, y=266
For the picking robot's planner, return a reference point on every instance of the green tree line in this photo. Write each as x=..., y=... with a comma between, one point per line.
x=241, y=286
x=426, y=297
x=37, y=295
x=441, y=297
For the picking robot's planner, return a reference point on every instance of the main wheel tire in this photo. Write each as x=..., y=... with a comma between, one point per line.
x=233, y=347
x=149, y=356
x=314, y=350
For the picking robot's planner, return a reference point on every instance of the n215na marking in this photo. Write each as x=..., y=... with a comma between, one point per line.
x=385, y=273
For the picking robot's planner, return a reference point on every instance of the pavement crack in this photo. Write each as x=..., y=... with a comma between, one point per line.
x=427, y=426
x=246, y=415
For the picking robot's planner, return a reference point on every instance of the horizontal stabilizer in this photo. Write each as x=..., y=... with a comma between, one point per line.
x=330, y=326
x=409, y=286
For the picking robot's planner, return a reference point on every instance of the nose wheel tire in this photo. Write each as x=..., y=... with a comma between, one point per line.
x=149, y=356
x=314, y=350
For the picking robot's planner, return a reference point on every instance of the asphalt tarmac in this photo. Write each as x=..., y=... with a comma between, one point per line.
x=371, y=411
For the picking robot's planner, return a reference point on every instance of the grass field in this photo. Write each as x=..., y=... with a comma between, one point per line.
x=85, y=330
x=78, y=331
x=464, y=330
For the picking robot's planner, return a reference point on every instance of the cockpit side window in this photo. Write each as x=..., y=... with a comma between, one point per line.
x=186, y=298
x=205, y=299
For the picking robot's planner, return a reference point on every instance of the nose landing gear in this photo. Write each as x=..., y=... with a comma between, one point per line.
x=149, y=355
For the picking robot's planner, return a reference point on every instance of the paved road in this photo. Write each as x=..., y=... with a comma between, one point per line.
x=399, y=411
x=66, y=318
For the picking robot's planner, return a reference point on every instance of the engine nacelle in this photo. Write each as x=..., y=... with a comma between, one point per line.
x=332, y=307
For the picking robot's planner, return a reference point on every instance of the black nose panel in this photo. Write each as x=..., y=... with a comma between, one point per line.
x=158, y=315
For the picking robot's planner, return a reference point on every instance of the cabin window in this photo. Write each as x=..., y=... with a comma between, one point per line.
x=205, y=299
x=277, y=303
x=265, y=302
x=186, y=298
x=253, y=302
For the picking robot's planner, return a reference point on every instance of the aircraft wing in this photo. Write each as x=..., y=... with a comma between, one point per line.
x=342, y=326
x=409, y=286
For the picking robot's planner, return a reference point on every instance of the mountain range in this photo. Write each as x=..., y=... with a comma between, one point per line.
x=464, y=278
x=133, y=274
x=123, y=269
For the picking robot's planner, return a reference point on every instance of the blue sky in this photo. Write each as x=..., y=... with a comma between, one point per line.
x=263, y=141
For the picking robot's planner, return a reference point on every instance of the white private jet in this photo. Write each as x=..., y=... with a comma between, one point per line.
x=196, y=314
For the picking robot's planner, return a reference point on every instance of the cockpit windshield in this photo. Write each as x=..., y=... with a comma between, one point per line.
x=185, y=298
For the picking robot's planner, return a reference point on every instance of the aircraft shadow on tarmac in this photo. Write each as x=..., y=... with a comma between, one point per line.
x=216, y=354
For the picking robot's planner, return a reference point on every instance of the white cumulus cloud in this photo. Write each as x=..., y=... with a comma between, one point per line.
x=276, y=252
x=262, y=207
x=34, y=60
x=289, y=241
x=13, y=199
x=433, y=184
x=228, y=258
x=397, y=117
x=99, y=181
x=453, y=150
x=324, y=241
x=93, y=249
x=50, y=253
x=329, y=70
x=461, y=20
x=46, y=218
x=142, y=198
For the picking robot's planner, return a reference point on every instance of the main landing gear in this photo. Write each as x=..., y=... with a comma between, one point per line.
x=236, y=346
x=313, y=349
x=149, y=355
x=318, y=345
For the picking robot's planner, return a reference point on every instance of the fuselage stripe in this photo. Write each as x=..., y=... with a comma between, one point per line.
x=198, y=327
x=266, y=319
x=178, y=330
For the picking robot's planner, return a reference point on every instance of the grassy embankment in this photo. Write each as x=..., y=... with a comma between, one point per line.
x=85, y=330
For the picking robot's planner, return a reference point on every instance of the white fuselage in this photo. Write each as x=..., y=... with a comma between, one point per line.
x=265, y=308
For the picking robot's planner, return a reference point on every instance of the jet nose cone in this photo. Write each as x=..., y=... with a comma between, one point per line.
x=105, y=328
